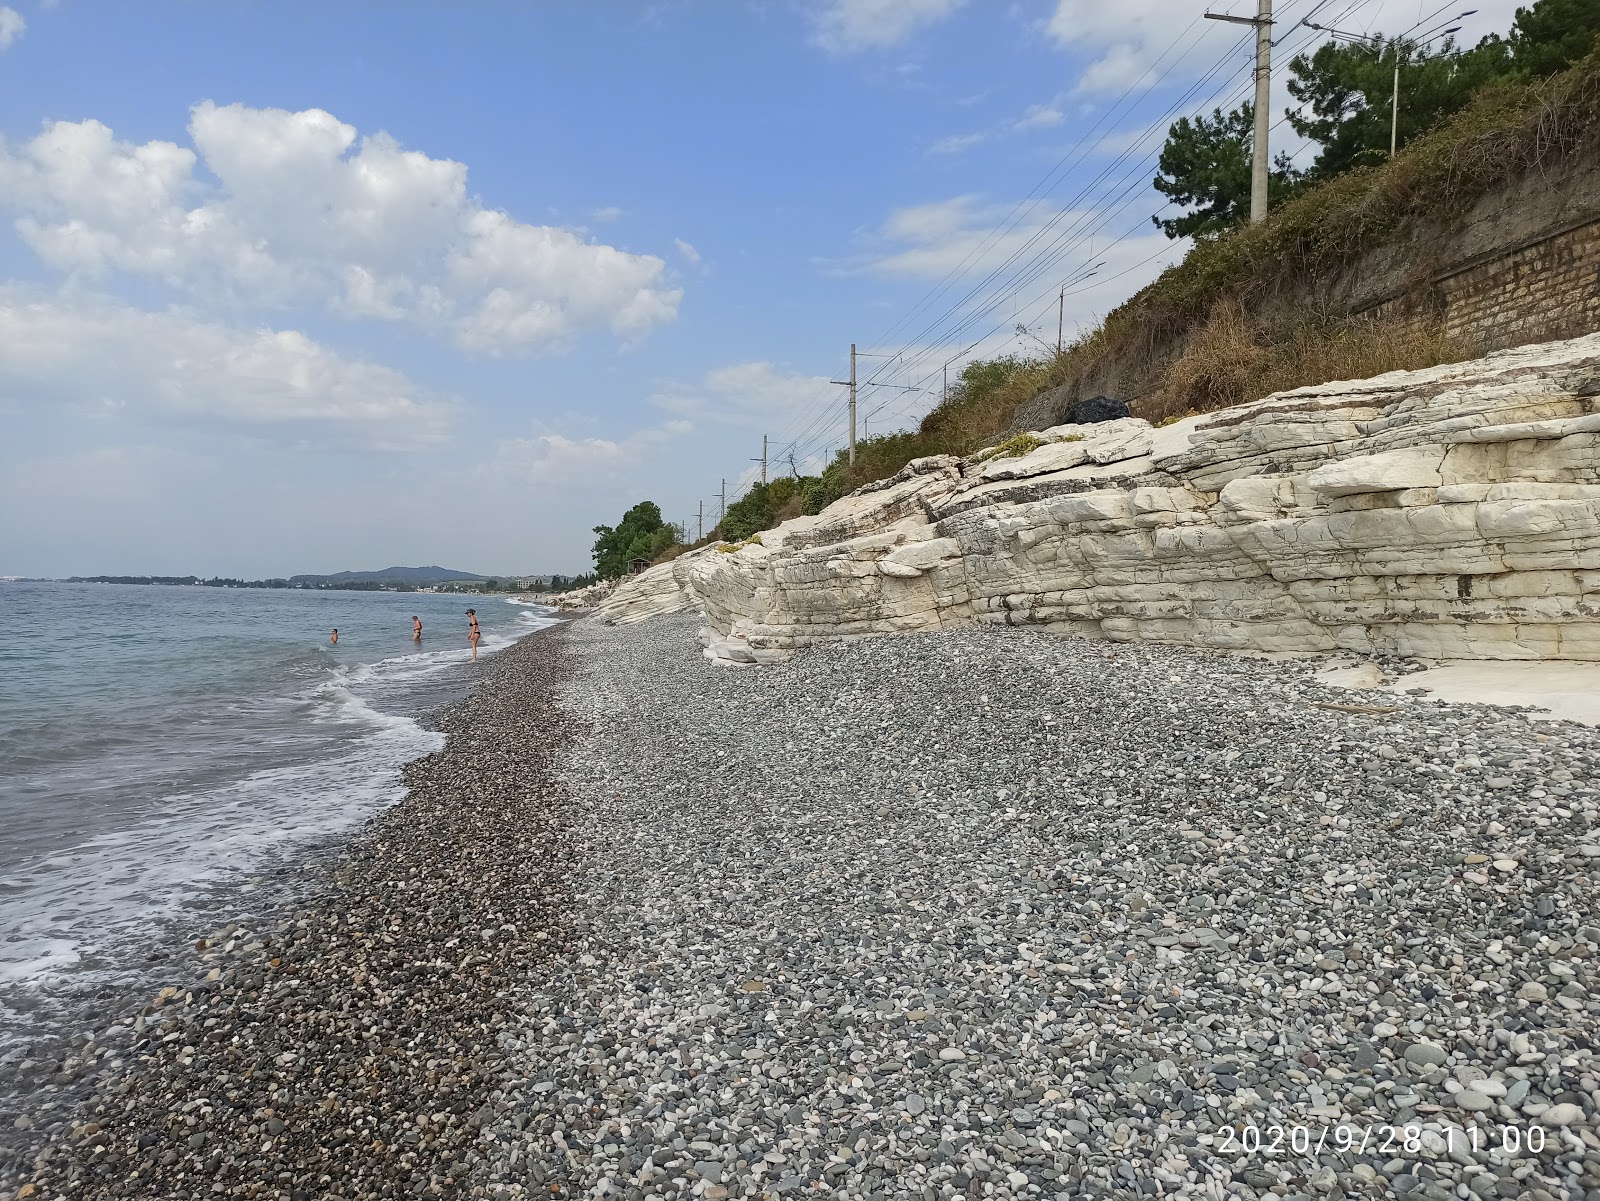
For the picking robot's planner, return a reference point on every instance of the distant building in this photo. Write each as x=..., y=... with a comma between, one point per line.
x=635, y=566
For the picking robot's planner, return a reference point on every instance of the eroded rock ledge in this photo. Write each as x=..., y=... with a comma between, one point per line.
x=1446, y=513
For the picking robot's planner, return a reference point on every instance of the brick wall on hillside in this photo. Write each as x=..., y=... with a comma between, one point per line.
x=1539, y=291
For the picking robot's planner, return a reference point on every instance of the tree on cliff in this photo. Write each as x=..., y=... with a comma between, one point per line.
x=1553, y=34
x=641, y=534
x=1205, y=166
x=1346, y=94
x=1346, y=89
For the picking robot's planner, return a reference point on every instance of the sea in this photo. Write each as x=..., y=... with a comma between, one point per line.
x=166, y=750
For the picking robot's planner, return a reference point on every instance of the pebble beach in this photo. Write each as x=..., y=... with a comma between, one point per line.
x=982, y=913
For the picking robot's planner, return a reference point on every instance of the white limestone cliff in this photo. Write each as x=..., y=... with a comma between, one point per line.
x=1450, y=513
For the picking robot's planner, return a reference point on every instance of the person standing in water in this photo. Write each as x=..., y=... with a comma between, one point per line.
x=333, y=639
x=473, y=633
x=416, y=628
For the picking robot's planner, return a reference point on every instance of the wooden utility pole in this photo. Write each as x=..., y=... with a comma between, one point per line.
x=1260, y=159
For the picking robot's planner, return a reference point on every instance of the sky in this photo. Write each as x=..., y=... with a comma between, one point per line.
x=305, y=287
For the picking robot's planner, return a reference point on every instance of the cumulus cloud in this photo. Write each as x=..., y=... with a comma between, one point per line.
x=689, y=253
x=748, y=394
x=295, y=208
x=848, y=26
x=106, y=359
x=12, y=26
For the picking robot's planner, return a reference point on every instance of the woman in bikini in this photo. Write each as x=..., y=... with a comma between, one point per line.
x=473, y=633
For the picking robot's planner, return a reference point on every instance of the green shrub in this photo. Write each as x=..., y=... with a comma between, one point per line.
x=1015, y=448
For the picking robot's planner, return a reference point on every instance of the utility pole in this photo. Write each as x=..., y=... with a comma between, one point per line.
x=1260, y=159
x=1061, y=315
x=851, y=383
x=1394, y=106
x=722, y=503
x=852, y=404
x=763, y=460
x=702, y=521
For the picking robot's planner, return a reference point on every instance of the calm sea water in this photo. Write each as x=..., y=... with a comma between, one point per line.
x=159, y=744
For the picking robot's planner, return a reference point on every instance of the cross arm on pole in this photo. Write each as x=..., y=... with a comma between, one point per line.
x=1229, y=17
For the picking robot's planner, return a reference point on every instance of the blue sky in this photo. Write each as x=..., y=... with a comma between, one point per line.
x=303, y=287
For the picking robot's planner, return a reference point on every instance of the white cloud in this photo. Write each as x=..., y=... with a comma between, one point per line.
x=925, y=241
x=105, y=359
x=12, y=26
x=956, y=143
x=747, y=394
x=689, y=253
x=1039, y=116
x=549, y=457
x=606, y=213
x=302, y=210
x=847, y=26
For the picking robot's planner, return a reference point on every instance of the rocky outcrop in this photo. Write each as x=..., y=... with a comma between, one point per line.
x=1446, y=513
x=576, y=600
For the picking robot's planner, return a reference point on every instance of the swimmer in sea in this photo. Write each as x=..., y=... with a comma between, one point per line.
x=416, y=628
x=473, y=633
x=334, y=638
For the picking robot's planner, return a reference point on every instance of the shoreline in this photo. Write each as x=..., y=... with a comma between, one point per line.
x=353, y=1011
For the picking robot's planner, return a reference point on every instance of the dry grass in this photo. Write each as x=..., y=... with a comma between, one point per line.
x=1235, y=358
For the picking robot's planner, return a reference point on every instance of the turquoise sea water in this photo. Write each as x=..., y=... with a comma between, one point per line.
x=159, y=743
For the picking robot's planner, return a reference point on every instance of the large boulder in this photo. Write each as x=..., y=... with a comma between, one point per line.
x=1097, y=409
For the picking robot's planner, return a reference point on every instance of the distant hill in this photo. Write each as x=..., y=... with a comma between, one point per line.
x=390, y=575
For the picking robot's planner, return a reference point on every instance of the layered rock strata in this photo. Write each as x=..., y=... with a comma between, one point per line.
x=1447, y=513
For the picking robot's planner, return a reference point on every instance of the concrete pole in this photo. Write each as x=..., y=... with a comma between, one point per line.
x=1394, y=107
x=852, y=404
x=1262, y=158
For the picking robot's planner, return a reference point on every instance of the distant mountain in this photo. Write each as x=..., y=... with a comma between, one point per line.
x=390, y=575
